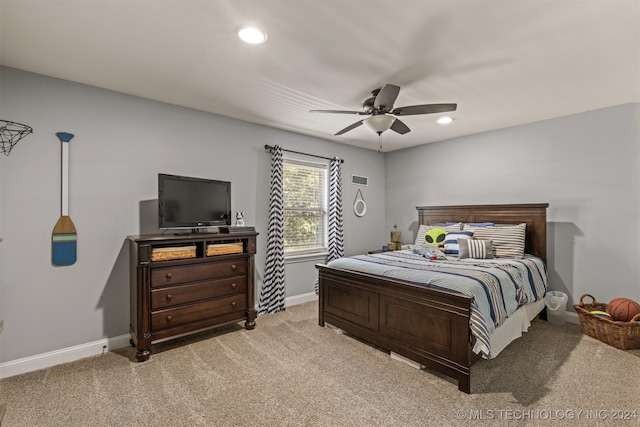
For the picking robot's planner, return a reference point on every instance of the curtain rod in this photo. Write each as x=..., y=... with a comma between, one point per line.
x=269, y=148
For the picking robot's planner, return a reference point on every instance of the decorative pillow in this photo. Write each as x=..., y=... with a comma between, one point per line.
x=471, y=225
x=475, y=248
x=451, y=246
x=435, y=237
x=422, y=230
x=508, y=240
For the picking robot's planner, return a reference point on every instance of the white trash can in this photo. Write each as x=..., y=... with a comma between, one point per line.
x=556, y=303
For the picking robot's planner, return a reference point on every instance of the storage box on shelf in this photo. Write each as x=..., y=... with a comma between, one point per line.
x=185, y=284
x=177, y=252
x=224, y=249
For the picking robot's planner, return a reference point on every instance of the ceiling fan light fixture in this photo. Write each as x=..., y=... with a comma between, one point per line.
x=379, y=122
x=445, y=120
x=252, y=35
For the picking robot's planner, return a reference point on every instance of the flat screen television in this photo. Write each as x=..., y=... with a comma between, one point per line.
x=188, y=202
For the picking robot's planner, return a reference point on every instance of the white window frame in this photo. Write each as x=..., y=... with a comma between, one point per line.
x=314, y=162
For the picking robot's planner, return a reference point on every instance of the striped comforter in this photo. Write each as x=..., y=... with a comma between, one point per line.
x=499, y=286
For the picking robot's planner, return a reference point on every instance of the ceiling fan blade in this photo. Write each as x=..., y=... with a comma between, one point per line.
x=424, y=109
x=386, y=97
x=350, y=127
x=338, y=112
x=400, y=127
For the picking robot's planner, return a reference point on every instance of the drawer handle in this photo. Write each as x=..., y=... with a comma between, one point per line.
x=233, y=285
x=169, y=318
x=234, y=267
x=233, y=304
x=169, y=296
x=169, y=275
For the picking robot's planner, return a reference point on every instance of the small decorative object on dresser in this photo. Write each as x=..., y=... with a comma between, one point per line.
x=237, y=229
x=240, y=218
x=187, y=283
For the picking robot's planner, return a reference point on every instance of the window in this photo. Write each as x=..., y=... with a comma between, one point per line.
x=305, y=188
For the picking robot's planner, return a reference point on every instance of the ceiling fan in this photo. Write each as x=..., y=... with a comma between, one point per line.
x=382, y=115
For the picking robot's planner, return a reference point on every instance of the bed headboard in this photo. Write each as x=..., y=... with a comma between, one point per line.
x=533, y=214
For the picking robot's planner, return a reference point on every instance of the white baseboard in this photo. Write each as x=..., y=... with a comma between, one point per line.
x=70, y=354
x=300, y=299
x=572, y=317
x=65, y=355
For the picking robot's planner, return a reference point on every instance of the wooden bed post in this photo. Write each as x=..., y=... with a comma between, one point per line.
x=320, y=300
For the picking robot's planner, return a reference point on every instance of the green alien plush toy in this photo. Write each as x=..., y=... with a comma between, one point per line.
x=435, y=237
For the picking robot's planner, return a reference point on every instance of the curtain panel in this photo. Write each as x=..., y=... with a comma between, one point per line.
x=335, y=228
x=272, y=293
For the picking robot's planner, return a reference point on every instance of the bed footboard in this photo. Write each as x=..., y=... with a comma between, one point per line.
x=426, y=325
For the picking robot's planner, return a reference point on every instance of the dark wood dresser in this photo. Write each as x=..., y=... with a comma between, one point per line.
x=187, y=283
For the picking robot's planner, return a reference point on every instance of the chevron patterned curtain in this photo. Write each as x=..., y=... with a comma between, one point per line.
x=335, y=230
x=336, y=238
x=273, y=292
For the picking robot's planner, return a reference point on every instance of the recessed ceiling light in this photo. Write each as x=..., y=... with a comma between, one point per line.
x=252, y=35
x=445, y=120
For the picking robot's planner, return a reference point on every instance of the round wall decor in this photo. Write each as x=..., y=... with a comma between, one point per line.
x=359, y=205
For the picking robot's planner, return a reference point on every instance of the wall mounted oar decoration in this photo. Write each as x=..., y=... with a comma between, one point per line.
x=64, y=238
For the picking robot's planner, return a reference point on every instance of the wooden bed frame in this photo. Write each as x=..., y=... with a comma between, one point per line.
x=429, y=326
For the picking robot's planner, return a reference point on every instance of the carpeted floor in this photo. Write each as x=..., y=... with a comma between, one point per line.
x=291, y=372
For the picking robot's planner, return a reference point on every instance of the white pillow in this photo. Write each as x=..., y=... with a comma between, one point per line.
x=508, y=240
x=451, y=245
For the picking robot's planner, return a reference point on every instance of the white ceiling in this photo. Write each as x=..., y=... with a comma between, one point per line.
x=503, y=62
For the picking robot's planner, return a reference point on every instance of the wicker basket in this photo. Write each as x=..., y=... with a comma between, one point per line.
x=224, y=249
x=176, y=252
x=621, y=335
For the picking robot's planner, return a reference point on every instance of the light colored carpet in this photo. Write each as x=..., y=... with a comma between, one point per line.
x=291, y=372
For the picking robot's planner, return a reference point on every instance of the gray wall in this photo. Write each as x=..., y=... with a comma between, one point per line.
x=586, y=166
x=121, y=143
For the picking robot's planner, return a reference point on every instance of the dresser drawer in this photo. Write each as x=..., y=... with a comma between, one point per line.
x=183, y=294
x=190, y=273
x=173, y=317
